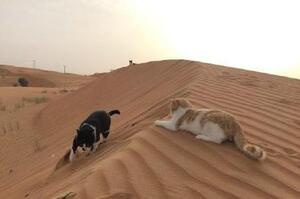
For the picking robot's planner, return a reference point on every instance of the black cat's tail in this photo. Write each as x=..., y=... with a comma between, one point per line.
x=114, y=112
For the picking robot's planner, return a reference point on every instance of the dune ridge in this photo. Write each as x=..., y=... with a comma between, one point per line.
x=144, y=161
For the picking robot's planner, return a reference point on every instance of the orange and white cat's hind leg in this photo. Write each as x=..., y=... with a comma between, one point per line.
x=212, y=132
x=167, y=124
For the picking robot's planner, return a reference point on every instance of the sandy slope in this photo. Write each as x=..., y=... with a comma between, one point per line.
x=143, y=161
x=40, y=78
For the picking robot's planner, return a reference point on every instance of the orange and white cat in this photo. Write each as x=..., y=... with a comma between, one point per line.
x=209, y=125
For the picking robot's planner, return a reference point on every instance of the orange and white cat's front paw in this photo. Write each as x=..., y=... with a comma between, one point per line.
x=157, y=123
x=165, y=124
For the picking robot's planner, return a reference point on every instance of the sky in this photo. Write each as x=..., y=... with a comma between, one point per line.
x=90, y=36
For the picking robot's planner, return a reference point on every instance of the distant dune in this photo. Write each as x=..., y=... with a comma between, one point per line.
x=144, y=161
x=40, y=78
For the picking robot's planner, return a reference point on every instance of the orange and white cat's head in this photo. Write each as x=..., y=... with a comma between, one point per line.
x=179, y=103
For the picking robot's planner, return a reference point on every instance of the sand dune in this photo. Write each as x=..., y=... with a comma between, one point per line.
x=40, y=78
x=144, y=161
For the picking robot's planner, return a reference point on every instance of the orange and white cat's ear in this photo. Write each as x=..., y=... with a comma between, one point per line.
x=172, y=100
x=184, y=103
x=173, y=104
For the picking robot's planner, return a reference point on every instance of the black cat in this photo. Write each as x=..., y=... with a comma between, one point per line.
x=88, y=134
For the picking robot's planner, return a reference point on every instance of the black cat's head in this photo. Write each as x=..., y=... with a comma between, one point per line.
x=85, y=137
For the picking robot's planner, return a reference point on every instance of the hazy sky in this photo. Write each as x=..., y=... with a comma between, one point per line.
x=98, y=35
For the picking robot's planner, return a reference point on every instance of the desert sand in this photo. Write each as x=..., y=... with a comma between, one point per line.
x=40, y=78
x=141, y=160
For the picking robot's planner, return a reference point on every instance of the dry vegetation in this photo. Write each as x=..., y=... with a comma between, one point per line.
x=3, y=130
x=2, y=107
x=36, y=145
x=35, y=100
x=19, y=105
x=10, y=127
x=63, y=91
x=30, y=100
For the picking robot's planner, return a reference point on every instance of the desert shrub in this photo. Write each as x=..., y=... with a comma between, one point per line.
x=23, y=82
x=17, y=125
x=19, y=105
x=63, y=91
x=15, y=85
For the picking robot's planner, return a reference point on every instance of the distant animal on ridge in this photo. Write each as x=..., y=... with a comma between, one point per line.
x=209, y=125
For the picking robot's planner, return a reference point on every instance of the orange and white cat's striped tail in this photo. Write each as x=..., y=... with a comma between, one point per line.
x=251, y=150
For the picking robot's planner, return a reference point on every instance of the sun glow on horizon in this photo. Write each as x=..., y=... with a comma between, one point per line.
x=256, y=35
